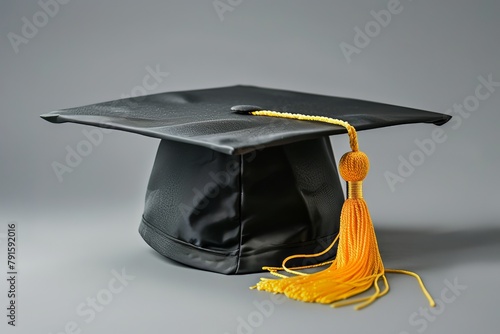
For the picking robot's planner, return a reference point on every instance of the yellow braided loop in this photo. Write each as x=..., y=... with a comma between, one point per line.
x=351, y=131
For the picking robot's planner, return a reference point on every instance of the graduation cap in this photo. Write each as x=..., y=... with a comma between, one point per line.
x=245, y=177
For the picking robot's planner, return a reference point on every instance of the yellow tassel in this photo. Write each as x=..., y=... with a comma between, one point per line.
x=358, y=265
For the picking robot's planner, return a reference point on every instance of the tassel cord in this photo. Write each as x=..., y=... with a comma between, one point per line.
x=358, y=266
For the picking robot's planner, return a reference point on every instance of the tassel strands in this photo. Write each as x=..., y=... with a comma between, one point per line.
x=358, y=266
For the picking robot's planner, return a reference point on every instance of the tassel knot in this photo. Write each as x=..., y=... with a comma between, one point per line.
x=354, y=166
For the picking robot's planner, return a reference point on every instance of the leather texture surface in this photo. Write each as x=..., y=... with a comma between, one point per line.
x=235, y=214
x=204, y=117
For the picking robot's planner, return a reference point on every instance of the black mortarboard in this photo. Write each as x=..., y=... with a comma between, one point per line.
x=229, y=192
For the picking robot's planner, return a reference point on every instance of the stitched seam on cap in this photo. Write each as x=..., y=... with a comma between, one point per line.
x=149, y=225
x=240, y=176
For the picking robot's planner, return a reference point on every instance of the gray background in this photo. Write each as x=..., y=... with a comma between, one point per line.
x=443, y=221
